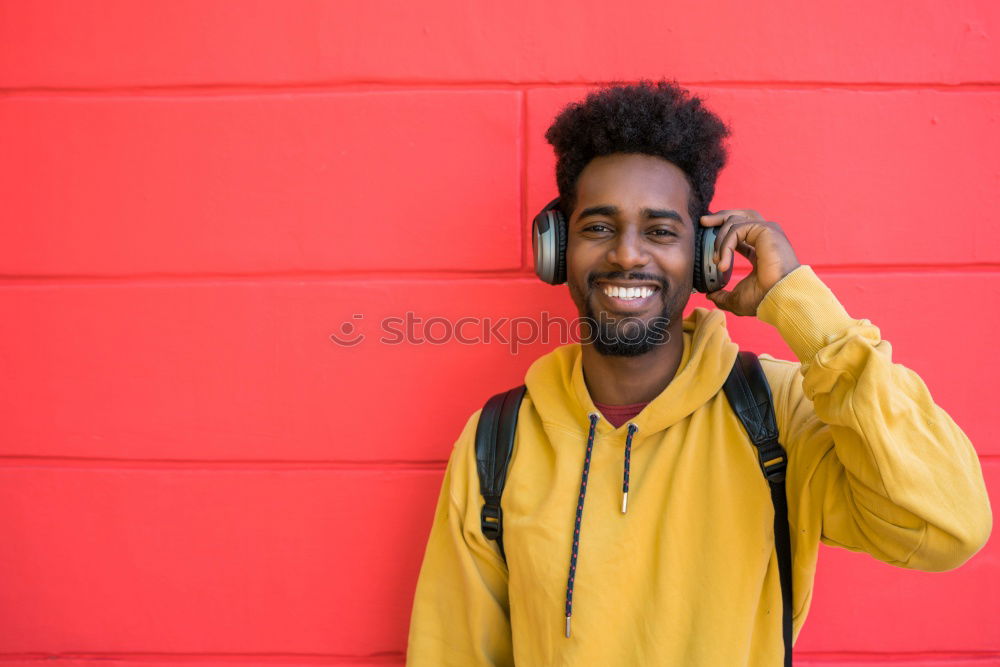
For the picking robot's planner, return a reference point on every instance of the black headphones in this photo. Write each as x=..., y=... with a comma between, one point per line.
x=548, y=244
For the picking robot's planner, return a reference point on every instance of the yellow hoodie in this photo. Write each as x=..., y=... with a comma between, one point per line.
x=689, y=575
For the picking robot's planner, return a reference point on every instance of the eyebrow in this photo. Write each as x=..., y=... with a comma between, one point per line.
x=612, y=211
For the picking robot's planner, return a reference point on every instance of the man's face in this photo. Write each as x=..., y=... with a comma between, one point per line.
x=630, y=230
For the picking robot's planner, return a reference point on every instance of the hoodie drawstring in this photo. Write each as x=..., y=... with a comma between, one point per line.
x=579, y=517
x=632, y=428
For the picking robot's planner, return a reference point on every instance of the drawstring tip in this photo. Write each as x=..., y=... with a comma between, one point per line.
x=567, y=626
x=624, y=502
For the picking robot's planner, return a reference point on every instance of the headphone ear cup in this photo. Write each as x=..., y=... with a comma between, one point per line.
x=707, y=277
x=699, y=270
x=548, y=244
x=561, y=234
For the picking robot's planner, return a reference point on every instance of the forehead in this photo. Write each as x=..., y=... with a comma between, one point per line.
x=631, y=180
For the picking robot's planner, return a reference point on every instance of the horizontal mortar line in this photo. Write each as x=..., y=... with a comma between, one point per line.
x=431, y=85
x=391, y=275
x=860, y=86
x=372, y=465
x=908, y=267
x=159, y=278
x=251, y=465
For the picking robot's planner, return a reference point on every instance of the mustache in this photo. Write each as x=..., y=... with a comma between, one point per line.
x=622, y=275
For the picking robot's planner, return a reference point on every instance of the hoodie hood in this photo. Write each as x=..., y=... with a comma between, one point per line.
x=557, y=388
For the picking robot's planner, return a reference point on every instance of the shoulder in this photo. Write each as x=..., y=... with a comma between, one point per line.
x=791, y=406
x=779, y=372
x=462, y=460
x=465, y=445
x=460, y=477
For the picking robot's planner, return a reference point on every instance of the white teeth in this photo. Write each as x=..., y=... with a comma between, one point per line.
x=628, y=292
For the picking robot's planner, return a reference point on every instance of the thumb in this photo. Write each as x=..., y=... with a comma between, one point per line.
x=719, y=297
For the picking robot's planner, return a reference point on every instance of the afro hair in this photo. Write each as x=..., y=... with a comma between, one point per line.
x=660, y=119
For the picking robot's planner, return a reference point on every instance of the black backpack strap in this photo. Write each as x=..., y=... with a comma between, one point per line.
x=750, y=395
x=494, y=444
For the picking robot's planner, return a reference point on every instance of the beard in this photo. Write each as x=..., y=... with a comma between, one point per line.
x=629, y=336
x=625, y=336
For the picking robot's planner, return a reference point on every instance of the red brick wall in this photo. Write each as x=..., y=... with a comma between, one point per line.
x=196, y=194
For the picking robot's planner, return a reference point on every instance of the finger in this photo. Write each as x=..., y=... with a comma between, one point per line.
x=733, y=219
x=740, y=238
x=747, y=251
x=716, y=219
x=727, y=246
x=719, y=235
x=720, y=298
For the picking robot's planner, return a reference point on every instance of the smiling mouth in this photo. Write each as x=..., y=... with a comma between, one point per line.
x=627, y=298
x=629, y=293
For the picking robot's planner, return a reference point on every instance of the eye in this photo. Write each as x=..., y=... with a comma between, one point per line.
x=662, y=232
x=598, y=228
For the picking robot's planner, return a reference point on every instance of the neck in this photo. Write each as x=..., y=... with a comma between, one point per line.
x=627, y=380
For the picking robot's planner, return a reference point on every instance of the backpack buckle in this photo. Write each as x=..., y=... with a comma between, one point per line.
x=773, y=461
x=491, y=519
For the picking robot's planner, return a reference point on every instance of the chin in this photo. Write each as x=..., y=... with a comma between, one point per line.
x=622, y=334
x=619, y=349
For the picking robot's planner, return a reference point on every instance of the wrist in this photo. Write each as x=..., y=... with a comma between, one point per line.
x=805, y=312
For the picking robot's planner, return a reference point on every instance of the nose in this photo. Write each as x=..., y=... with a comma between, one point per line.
x=628, y=251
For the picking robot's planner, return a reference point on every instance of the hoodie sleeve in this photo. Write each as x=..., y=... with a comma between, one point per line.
x=874, y=464
x=460, y=610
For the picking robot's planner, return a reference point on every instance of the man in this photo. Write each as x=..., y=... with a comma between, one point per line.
x=683, y=569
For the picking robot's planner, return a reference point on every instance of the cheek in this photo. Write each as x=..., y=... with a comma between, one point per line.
x=676, y=259
x=576, y=280
x=577, y=267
